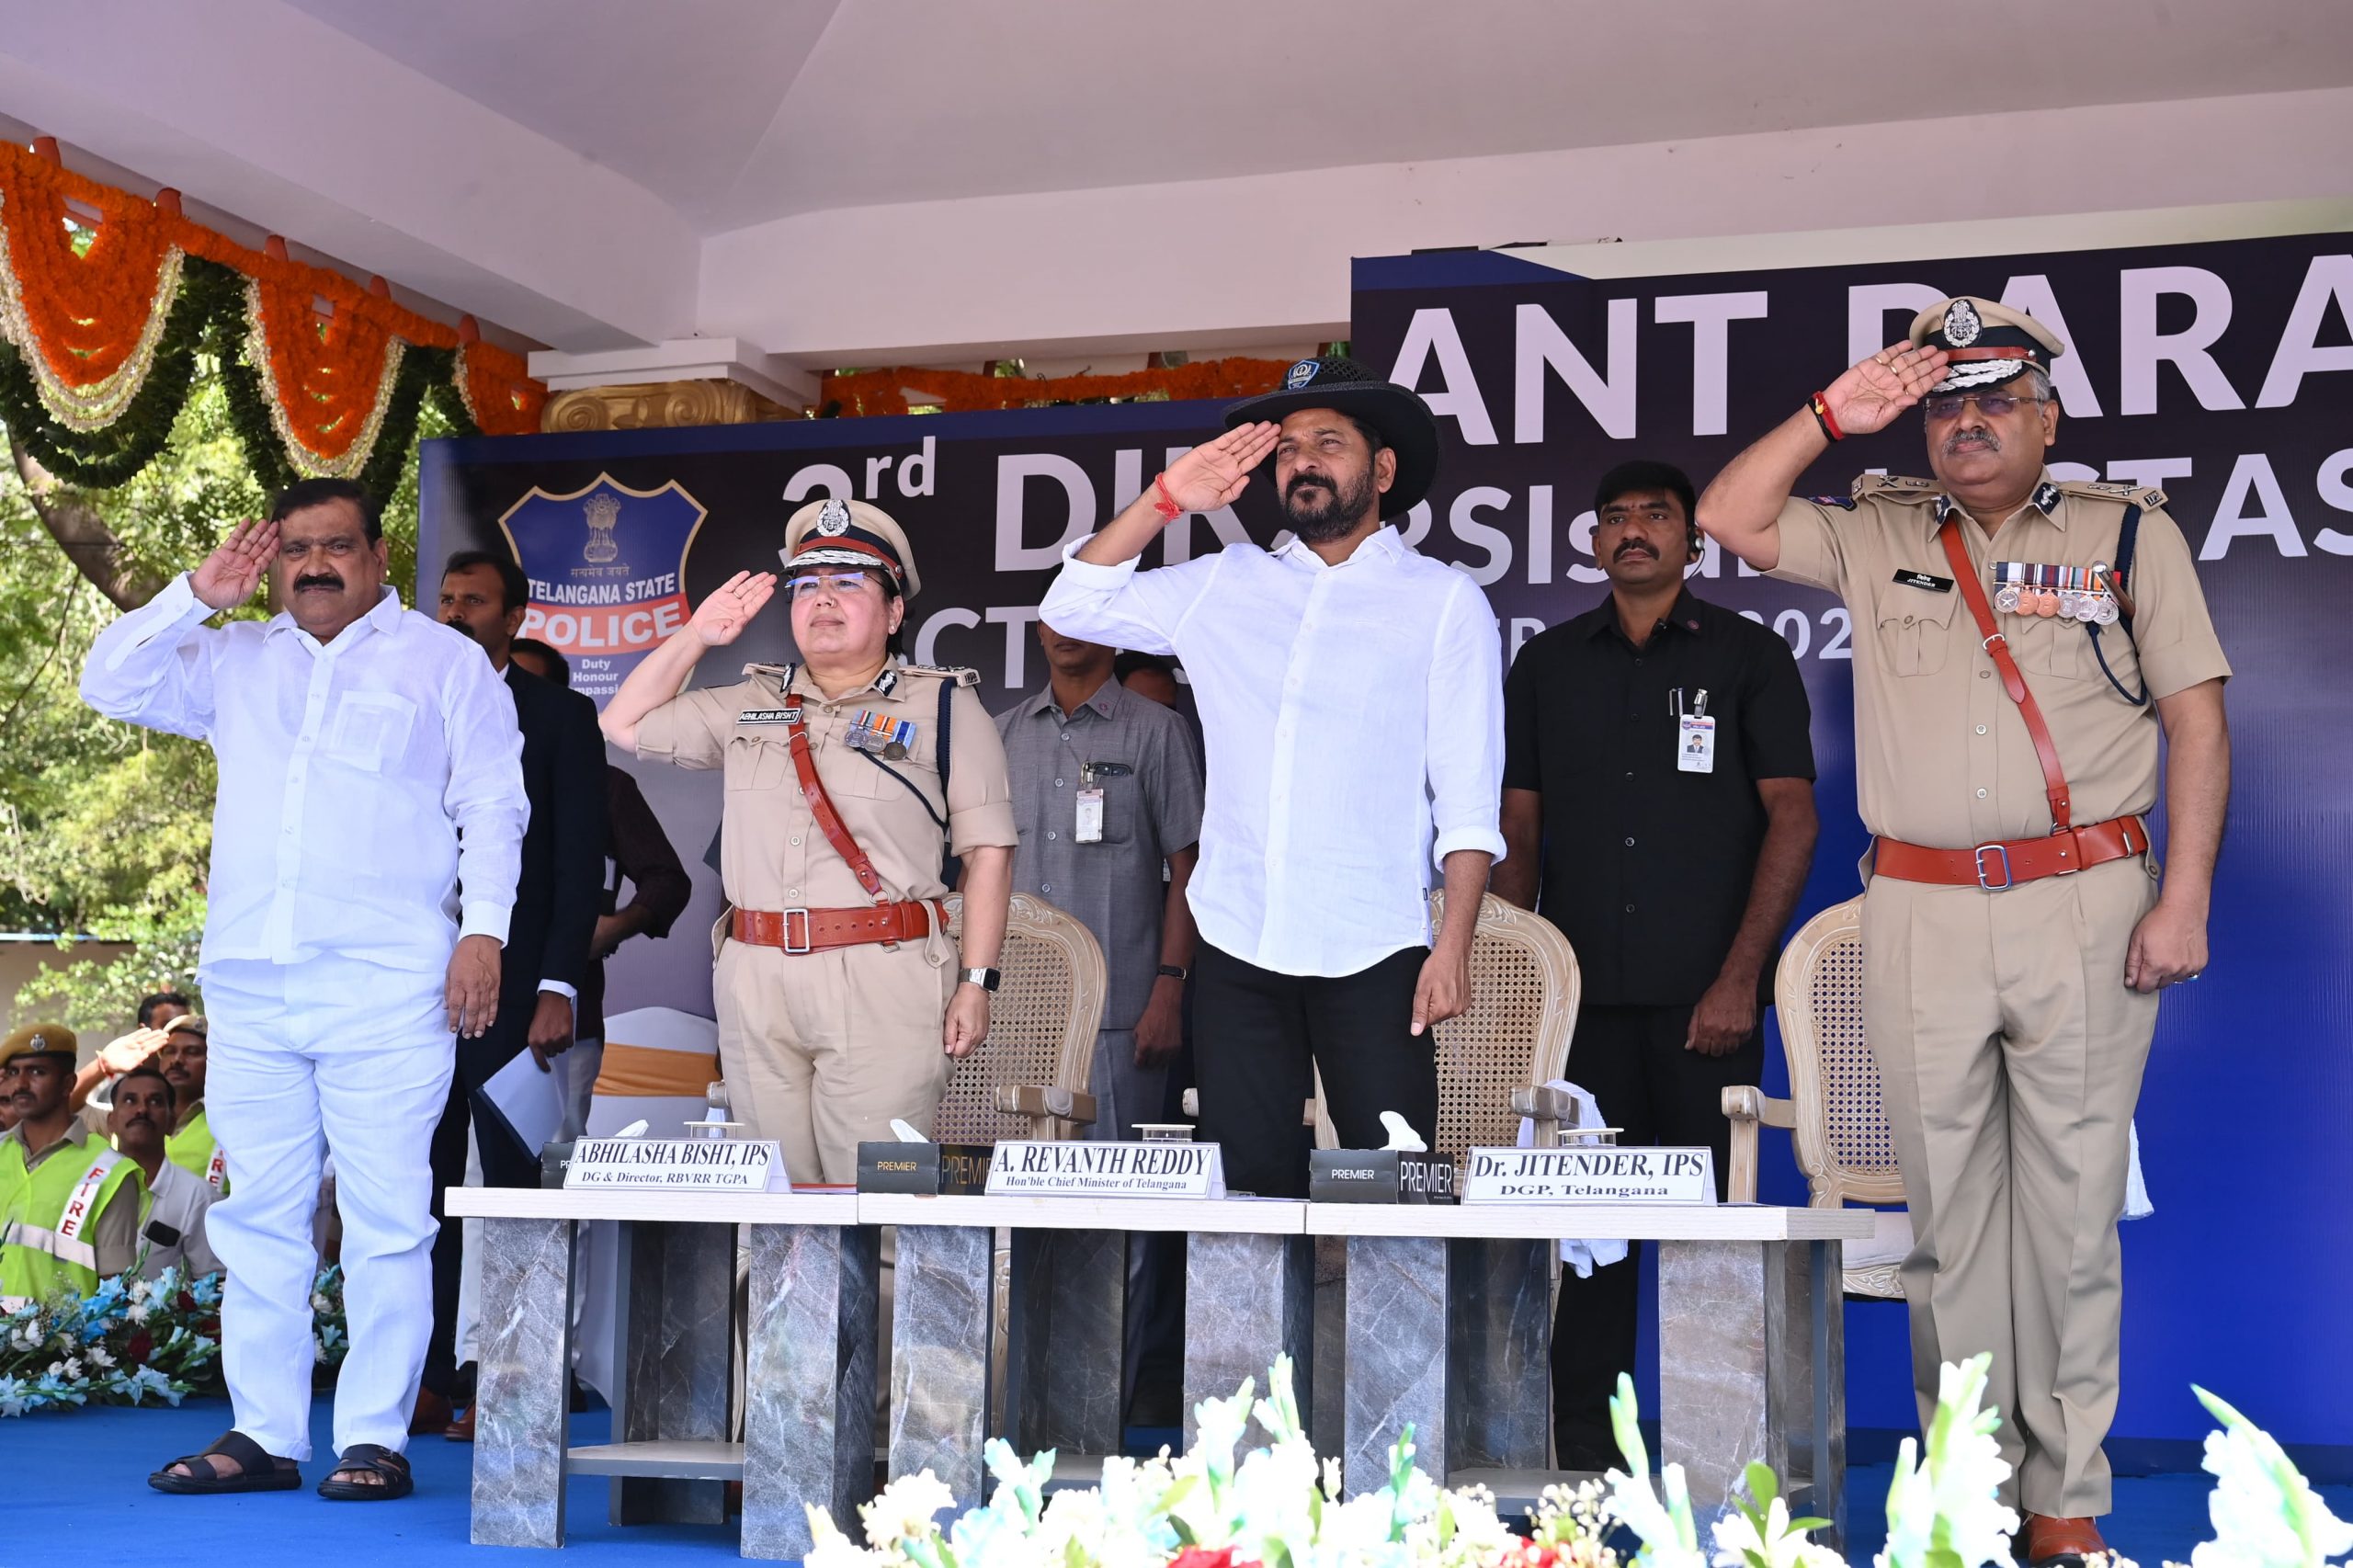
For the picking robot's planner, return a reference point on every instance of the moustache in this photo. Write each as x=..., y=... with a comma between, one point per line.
x=454, y=624
x=318, y=580
x=1965, y=440
x=1633, y=546
x=1304, y=481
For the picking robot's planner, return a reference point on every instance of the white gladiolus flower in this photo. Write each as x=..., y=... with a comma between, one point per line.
x=2265, y=1515
x=904, y=1510
x=1777, y=1546
x=831, y=1549
x=1947, y=1508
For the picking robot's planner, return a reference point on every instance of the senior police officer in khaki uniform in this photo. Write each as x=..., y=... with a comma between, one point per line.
x=850, y=777
x=2016, y=928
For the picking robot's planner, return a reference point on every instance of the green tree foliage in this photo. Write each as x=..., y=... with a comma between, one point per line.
x=106, y=829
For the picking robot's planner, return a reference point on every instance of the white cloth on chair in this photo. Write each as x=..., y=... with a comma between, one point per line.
x=1586, y=1255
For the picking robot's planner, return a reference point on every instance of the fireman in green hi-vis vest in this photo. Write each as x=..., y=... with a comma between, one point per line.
x=69, y=1205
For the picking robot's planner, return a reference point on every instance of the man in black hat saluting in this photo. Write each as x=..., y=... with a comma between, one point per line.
x=1350, y=695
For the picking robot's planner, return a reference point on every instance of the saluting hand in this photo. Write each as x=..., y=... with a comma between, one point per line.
x=1870, y=394
x=1214, y=473
x=235, y=568
x=123, y=1052
x=721, y=618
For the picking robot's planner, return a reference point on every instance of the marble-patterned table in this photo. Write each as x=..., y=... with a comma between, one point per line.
x=1248, y=1295
x=807, y=1417
x=1752, y=1344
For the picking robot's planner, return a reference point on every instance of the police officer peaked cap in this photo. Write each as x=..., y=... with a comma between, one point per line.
x=1987, y=343
x=39, y=1039
x=1336, y=381
x=849, y=533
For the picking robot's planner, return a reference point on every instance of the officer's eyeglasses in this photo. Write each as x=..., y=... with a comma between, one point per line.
x=815, y=583
x=1993, y=405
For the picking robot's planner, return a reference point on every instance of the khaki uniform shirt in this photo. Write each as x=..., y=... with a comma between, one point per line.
x=1942, y=757
x=772, y=855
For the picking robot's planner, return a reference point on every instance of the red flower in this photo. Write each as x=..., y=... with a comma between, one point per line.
x=1528, y=1554
x=140, y=1345
x=1201, y=1557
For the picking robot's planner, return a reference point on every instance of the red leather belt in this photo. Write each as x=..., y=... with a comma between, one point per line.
x=817, y=930
x=1997, y=866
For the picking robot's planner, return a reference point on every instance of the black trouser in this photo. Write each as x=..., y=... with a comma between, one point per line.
x=505, y=1163
x=1257, y=1035
x=1634, y=1063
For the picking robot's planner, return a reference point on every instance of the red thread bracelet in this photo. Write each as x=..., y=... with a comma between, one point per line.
x=1822, y=417
x=1167, y=506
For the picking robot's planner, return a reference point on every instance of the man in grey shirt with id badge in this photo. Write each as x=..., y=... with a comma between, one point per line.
x=1106, y=794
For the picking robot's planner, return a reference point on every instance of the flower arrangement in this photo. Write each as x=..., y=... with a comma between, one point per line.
x=137, y=1342
x=134, y=1342
x=1280, y=1506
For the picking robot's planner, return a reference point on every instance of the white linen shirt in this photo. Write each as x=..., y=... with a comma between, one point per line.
x=349, y=775
x=1354, y=719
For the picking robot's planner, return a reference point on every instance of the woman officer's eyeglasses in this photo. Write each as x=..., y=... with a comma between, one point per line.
x=814, y=583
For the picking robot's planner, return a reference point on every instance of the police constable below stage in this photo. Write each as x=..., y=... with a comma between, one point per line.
x=840, y=997
x=69, y=1205
x=2021, y=644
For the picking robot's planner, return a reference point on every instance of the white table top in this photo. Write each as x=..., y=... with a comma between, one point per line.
x=1632, y=1222
x=1242, y=1216
x=838, y=1207
x=1592, y=1221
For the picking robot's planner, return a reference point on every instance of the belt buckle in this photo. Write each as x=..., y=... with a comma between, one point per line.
x=806, y=932
x=2003, y=851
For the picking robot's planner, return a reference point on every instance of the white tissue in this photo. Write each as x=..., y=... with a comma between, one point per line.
x=1402, y=1135
x=904, y=1133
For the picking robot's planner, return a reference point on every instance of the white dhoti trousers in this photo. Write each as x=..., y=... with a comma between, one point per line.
x=328, y=1054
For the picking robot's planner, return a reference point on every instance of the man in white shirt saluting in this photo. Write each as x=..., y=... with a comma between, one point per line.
x=368, y=764
x=1350, y=694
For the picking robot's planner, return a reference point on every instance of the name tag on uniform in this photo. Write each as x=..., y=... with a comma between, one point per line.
x=768, y=716
x=1695, y=746
x=1929, y=581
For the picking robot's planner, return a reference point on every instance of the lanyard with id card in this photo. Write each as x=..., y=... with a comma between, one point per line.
x=1090, y=798
x=1695, y=732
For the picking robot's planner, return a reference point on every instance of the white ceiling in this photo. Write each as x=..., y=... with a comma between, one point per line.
x=736, y=112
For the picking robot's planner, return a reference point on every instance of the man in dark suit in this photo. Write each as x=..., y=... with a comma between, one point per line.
x=547, y=957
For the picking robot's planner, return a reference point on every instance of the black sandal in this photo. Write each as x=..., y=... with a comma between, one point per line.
x=256, y=1471
x=375, y=1459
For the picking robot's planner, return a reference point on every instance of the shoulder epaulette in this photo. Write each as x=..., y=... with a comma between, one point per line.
x=2145, y=497
x=1894, y=487
x=956, y=673
x=782, y=673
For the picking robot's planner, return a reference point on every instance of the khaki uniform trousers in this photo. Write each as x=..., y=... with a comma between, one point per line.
x=2010, y=1051
x=822, y=1050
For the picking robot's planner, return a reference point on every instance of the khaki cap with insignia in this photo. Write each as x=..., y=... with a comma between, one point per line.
x=190, y=1023
x=849, y=533
x=1986, y=343
x=39, y=1039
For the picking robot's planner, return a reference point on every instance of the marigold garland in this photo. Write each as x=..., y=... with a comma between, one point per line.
x=964, y=391
x=98, y=348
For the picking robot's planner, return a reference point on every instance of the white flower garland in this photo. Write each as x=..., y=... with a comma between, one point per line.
x=306, y=459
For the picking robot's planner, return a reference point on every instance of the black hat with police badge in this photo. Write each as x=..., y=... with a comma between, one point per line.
x=1986, y=343
x=1404, y=421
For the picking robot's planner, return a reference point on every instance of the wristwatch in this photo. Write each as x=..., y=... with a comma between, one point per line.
x=986, y=978
x=1176, y=971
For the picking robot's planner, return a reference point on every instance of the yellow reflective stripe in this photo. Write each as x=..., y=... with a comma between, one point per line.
x=64, y=1248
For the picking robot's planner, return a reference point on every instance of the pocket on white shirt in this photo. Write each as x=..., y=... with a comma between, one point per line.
x=370, y=728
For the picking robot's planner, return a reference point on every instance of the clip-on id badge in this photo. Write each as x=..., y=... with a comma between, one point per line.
x=1695, y=736
x=1090, y=807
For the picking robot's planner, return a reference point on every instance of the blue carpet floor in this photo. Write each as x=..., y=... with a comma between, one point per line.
x=69, y=1474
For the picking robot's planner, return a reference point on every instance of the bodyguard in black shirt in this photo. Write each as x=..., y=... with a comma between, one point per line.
x=1659, y=779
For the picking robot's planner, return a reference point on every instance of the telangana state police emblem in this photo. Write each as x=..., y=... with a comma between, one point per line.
x=607, y=567
x=834, y=520
x=1298, y=375
x=1962, y=324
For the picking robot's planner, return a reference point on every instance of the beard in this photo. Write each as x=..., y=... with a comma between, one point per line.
x=1317, y=509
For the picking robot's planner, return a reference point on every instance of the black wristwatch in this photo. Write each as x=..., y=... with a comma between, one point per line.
x=1175, y=971
x=986, y=978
